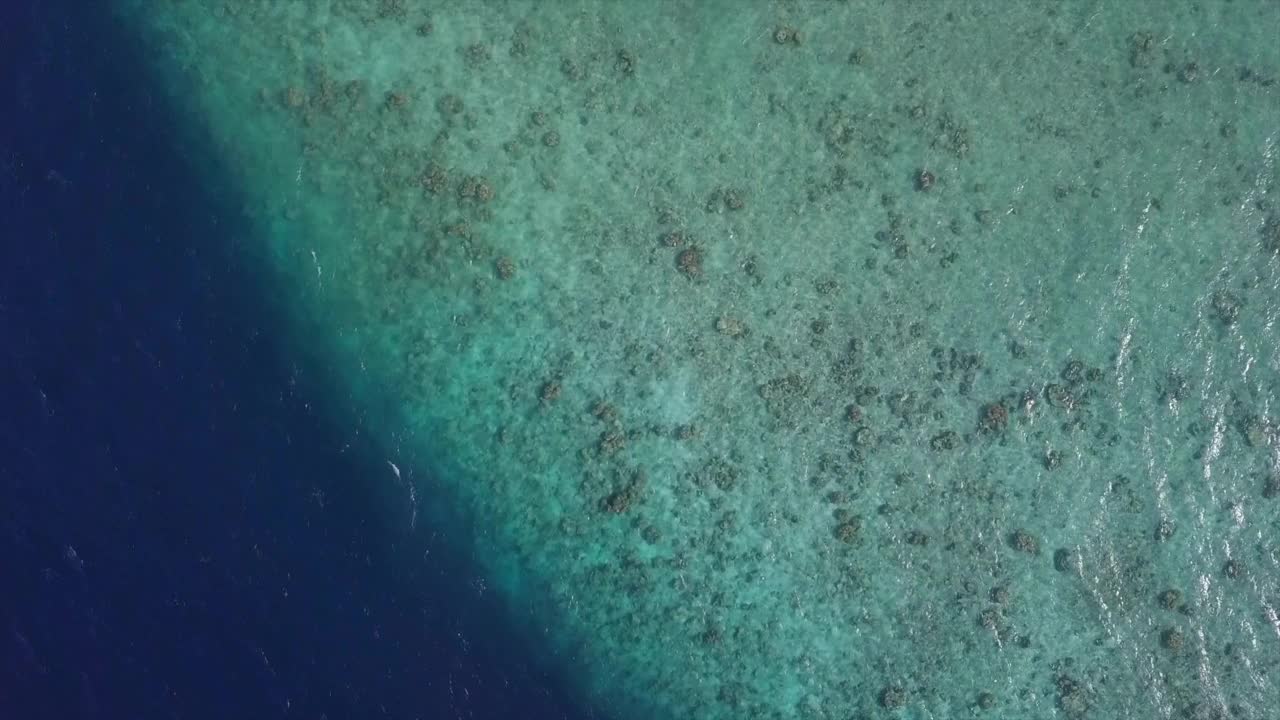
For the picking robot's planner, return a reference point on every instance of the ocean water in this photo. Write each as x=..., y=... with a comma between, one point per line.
x=787, y=359
x=194, y=523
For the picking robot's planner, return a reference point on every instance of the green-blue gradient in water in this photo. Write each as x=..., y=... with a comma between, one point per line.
x=802, y=359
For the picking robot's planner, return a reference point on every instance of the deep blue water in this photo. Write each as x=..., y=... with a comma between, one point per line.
x=164, y=552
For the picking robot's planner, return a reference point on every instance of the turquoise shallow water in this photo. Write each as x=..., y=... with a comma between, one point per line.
x=801, y=359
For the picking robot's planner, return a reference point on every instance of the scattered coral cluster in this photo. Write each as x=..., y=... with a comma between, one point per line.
x=813, y=360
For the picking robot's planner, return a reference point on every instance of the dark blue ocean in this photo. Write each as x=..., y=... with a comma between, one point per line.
x=168, y=469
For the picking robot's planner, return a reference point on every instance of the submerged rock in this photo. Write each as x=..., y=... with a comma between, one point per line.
x=1271, y=488
x=1226, y=305
x=945, y=440
x=847, y=531
x=1170, y=599
x=1023, y=541
x=689, y=262
x=893, y=697
x=995, y=417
